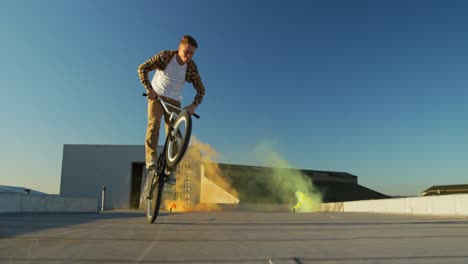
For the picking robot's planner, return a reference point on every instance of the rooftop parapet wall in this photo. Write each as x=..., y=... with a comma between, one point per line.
x=443, y=205
x=14, y=203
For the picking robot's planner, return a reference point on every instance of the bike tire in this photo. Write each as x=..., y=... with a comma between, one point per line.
x=173, y=159
x=154, y=200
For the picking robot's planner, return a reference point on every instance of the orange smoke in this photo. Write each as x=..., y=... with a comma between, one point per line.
x=211, y=186
x=172, y=206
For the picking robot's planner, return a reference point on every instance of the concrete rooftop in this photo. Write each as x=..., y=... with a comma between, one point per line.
x=232, y=237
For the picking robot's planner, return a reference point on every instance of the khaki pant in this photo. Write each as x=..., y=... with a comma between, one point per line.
x=155, y=112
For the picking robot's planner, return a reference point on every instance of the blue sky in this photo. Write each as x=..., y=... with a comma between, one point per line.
x=373, y=88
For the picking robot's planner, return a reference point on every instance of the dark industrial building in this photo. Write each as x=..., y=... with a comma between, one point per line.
x=254, y=184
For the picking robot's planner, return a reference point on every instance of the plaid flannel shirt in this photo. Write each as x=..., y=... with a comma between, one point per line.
x=160, y=61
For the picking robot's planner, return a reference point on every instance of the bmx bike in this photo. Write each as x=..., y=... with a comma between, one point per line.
x=175, y=146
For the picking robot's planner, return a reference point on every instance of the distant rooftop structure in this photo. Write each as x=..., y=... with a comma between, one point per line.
x=16, y=189
x=446, y=189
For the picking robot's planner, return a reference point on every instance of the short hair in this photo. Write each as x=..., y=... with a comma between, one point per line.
x=190, y=40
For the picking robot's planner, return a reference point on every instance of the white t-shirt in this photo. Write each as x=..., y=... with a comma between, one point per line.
x=169, y=82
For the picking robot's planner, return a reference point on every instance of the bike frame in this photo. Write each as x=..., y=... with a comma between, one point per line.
x=161, y=164
x=158, y=177
x=160, y=172
x=173, y=114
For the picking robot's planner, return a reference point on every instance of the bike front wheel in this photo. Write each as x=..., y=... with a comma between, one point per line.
x=154, y=197
x=179, y=139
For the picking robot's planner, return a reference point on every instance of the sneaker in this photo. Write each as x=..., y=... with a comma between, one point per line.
x=151, y=165
x=171, y=179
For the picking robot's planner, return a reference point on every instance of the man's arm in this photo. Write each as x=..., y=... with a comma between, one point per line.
x=156, y=62
x=195, y=79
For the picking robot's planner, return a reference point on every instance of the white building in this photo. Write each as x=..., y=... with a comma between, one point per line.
x=87, y=168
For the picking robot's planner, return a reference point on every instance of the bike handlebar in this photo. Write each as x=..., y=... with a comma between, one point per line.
x=162, y=101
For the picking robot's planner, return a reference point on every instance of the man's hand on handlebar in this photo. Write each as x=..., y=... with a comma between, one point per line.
x=190, y=109
x=152, y=94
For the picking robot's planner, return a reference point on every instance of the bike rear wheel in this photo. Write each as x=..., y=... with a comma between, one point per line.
x=179, y=140
x=154, y=197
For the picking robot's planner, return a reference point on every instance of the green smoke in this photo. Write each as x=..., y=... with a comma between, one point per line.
x=287, y=185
